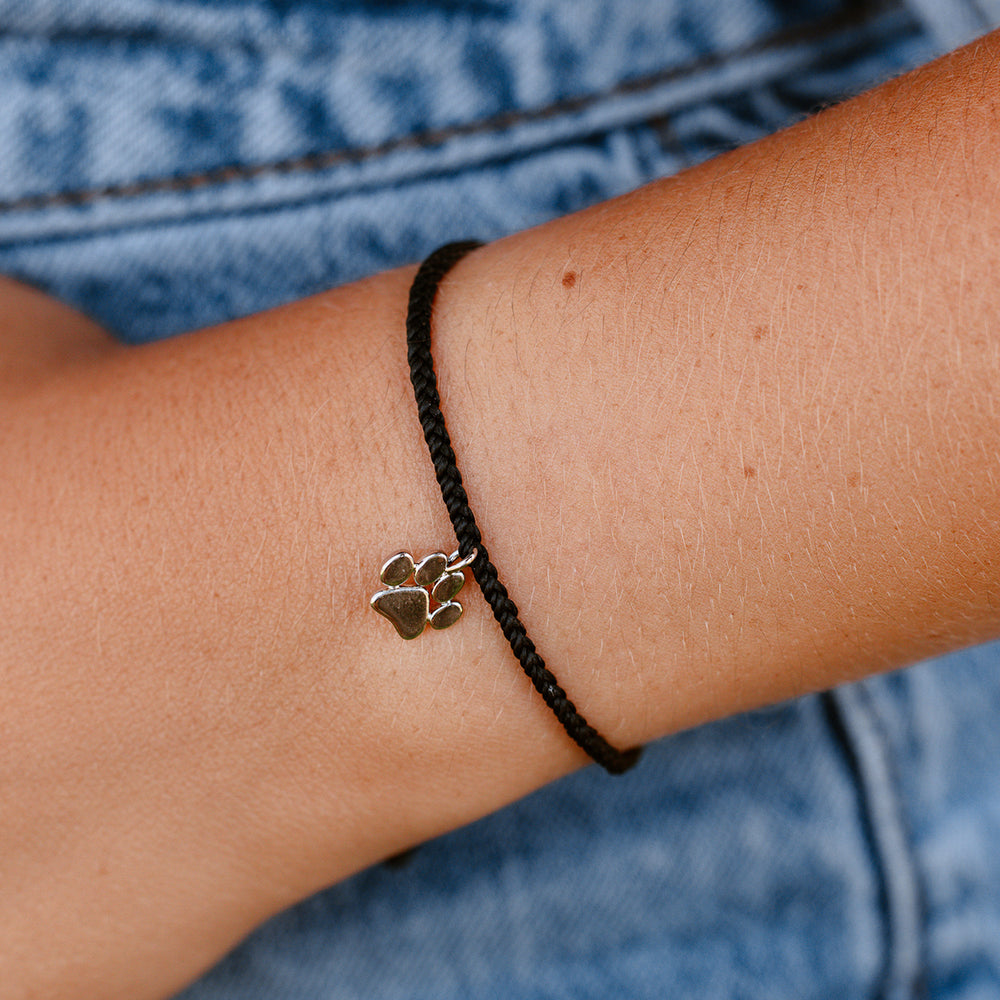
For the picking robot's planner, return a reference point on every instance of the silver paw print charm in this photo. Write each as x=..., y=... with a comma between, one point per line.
x=436, y=579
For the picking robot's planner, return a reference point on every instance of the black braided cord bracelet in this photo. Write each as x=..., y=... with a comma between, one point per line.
x=471, y=550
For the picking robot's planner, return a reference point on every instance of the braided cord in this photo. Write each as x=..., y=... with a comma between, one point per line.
x=418, y=339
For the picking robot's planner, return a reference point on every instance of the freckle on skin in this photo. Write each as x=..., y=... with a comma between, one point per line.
x=749, y=471
x=569, y=279
x=758, y=333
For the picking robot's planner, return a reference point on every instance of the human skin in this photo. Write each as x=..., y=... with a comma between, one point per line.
x=730, y=439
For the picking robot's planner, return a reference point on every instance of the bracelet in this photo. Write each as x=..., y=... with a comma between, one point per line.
x=438, y=578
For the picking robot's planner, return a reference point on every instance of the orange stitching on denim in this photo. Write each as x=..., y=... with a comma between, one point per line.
x=855, y=14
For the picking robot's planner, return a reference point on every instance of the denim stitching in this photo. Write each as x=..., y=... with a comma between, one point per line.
x=852, y=17
x=920, y=988
x=835, y=715
x=848, y=711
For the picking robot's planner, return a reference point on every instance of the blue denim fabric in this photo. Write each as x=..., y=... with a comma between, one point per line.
x=169, y=164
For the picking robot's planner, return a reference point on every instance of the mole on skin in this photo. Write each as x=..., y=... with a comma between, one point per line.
x=569, y=279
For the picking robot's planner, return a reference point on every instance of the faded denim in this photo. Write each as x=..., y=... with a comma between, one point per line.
x=165, y=165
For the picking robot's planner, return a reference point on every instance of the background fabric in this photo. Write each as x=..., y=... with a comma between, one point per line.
x=167, y=164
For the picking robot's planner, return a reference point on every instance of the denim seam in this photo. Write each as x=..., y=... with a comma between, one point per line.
x=835, y=717
x=325, y=159
x=249, y=211
x=860, y=732
x=895, y=783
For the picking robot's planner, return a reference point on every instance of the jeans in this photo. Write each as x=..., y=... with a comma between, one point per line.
x=166, y=165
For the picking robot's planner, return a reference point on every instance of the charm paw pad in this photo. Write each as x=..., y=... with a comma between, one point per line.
x=408, y=604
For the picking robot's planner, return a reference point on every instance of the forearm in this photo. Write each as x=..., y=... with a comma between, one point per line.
x=759, y=430
x=729, y=439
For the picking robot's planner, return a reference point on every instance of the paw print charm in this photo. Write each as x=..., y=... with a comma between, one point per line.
x=436, y=580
